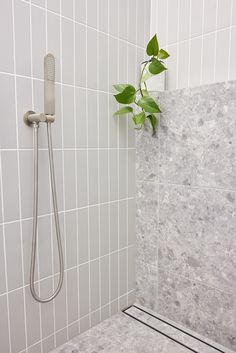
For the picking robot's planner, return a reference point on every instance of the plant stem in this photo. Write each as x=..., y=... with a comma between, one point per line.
x=141, y=76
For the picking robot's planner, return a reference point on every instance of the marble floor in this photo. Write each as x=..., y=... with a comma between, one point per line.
x=138, y=330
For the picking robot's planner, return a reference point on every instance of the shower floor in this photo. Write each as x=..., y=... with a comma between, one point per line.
x=138, y=330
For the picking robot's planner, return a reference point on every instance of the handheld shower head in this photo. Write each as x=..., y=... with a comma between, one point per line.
x=49, y=84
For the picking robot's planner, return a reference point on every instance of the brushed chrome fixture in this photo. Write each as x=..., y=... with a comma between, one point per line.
x=33, y=120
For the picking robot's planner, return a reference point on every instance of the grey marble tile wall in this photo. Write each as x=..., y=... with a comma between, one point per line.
x=186, y=211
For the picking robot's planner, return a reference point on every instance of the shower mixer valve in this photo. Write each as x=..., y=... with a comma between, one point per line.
x=32, y=118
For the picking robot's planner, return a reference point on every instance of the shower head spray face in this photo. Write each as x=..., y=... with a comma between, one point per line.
x=49, y=84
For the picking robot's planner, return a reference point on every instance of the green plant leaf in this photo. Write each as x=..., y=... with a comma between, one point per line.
x=139, y=118
x=146, y=76
x=127, y=96
x=153, y=47
x=156, y=67
x=149, y=105
x=145, y=92
x=124, y=110
x=163, y=54
x=120, y=87
x=153, y=120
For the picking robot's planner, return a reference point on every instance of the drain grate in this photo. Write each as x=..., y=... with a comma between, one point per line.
x=169, y=336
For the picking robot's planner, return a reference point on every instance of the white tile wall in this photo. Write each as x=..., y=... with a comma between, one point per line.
x=200, y=37
x=96, y=43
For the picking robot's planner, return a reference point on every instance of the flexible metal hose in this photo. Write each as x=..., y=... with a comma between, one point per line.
x=35, y=216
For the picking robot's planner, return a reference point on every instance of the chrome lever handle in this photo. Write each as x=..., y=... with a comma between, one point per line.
x=32, y=118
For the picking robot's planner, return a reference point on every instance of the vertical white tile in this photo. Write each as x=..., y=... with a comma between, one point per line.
x=224, y=13
x=104, y=280
x=183, y=62
x=68, y=117
x=162, y=22
x=103, y=15
x=103, y=119
x=113, y=172
x=114, y=276
x=122, y=174
x=82, y=191
x=131, y=268
x=80, y=11
x=94, y=232
x=80, y=55
x=104, y=182
x=92, y=52
x=32, y=318
x=48, y=344
x=208, y=58
x=67, y=52
x=113, y=18
x=83, y=235
x=53, y=41
x=44, y=246
x=123, y=271
x=195, y=62
x=67, y=8
x=94, y=284
x=103, y=62
x=92, y=9
x=131, y=222
x=71, y=238
x=113, y=63
x=210, y=7
x=6, y=37
x=4, y=329
x=123, y=19
x=38, y=41
x=13, y=255
x=196, y=17
x=22, y=38
x=72, y=293
x=70, y=187
x=172, y=67
x=222, y=47
x=234, y=13
x=17, y=322
x=2, y=264
x=122, y=224
x=104, y=229
x=8, y=121
x=46, y=288
x=172, y=21
x=61, y=337
x=114, y=226
x=10, y=186
x=60, y=307
x=93, y=176
x=131, y=173
x=27, y=241
x=84, y=289
x=53, y=5
x=184, y=19
x=132, y=5
x=232, y=72
x=80, y=114
x=92, y=119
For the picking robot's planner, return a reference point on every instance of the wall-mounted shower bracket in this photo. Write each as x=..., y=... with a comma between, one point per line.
x=32, y=118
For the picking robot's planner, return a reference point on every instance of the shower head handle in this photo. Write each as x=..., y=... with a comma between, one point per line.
x=49, y=84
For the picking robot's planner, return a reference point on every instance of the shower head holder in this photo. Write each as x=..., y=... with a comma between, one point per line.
x=31, y=118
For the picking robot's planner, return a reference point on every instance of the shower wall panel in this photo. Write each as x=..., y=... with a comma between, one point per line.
x=96, y=43
x=186, y=211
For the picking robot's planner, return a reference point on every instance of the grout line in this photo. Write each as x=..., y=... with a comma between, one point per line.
x=87, y=153
x=76, y=175
x=63, y=168
x=189, y=41
x=69, y=210
x=178, y=46
x=5, y=260
x=18, y=172
x=98, y=156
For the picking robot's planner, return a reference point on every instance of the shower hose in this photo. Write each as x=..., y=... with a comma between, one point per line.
x=35, y=216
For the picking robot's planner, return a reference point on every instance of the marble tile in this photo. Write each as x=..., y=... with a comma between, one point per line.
x=196, y=231
x=146, y=155
x=205, y=310
x=197, y=136
x=121, y=334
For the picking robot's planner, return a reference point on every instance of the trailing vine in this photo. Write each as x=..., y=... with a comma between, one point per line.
x=145, y=106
